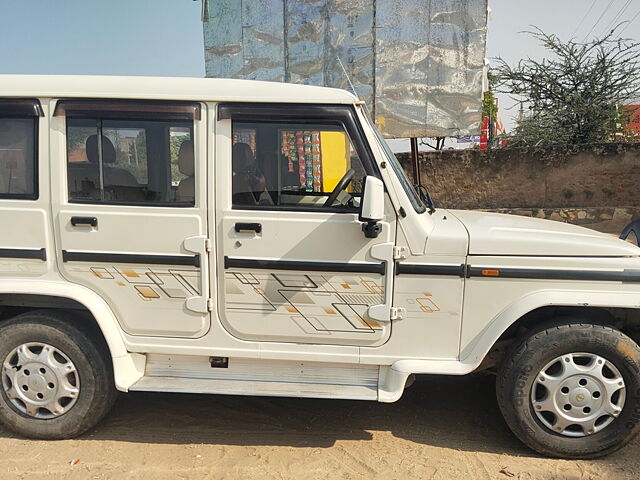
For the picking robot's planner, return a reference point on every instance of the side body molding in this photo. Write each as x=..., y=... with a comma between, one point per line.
x=128, y=368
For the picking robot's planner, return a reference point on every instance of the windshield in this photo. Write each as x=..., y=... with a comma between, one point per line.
x=418, y=205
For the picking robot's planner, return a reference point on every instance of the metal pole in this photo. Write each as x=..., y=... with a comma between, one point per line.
x=415, y=160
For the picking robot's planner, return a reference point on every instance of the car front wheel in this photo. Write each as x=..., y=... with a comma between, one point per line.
x=572, y=389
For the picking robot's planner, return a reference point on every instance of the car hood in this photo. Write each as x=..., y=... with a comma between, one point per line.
x=502, y=234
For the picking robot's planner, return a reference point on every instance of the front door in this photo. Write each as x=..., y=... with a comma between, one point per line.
x=297, y=266
x=130, y=210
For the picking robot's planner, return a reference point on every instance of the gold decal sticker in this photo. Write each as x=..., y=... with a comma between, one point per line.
x=147, y=292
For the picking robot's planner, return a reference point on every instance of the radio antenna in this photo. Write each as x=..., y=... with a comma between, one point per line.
x=344, y=70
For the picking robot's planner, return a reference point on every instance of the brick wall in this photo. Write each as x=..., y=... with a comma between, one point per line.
x=593, y=185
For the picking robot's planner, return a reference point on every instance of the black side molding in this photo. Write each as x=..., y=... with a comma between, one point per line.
x=349, y=267
x=630, y=276
x=467, y=271
x=416, y=269
x=187, y=260
x=40, y=254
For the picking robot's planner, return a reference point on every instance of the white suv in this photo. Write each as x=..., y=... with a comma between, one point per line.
x=238, y=237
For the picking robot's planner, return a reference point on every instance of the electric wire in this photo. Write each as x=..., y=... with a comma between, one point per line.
x=583, y=18
x=598, y=20
x=613, y=21
x=630, y=22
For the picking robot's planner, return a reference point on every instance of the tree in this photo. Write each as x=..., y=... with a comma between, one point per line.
x=489, y=107
x=573, y=95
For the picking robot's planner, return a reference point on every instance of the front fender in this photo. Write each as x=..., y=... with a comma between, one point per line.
x=128, y=368
x=473, y=354
x=393, y=378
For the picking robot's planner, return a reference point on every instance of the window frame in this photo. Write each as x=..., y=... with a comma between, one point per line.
x=25, y=108
x=343, y=116
x=129, y=111
x=409, y=189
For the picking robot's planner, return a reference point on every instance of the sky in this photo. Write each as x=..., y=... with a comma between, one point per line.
x=164, y=37
x=100, y=37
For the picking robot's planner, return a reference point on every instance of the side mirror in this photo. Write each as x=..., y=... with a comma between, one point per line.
x=372, y=206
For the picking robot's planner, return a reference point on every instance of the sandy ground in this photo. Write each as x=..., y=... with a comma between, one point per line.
x=443, y=428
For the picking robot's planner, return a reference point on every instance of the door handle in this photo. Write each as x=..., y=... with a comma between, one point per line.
x=248, y=227
x=91, y=221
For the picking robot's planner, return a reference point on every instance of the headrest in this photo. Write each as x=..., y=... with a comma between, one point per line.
x=242, y=156
x=108, y=150
x=185, y=158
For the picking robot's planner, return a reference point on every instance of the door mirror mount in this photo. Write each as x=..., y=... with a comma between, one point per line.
x=372, y=206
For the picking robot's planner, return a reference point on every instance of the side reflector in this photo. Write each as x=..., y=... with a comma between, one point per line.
x=490, y=273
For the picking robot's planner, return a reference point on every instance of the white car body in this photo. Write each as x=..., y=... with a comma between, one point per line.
x=440, y=289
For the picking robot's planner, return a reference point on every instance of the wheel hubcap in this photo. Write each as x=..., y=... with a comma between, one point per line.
x=40, y=380
x=578, y=394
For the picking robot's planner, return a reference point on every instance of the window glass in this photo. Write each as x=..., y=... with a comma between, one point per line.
x=295, y=166
x=130, y=161
x=417, y=204
x=17, y=157
x=130, y=146
x=177, y=136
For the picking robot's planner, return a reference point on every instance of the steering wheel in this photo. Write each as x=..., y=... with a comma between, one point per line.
x=341, y=186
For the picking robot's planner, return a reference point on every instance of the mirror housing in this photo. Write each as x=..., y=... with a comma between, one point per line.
x=372, y=206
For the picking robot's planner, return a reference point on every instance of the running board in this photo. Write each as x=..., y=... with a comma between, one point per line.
x=195, y=374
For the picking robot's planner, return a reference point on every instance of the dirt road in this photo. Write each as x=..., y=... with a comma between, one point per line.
x=443, y=428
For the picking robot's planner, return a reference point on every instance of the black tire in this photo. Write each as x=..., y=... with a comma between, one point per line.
x=97, y=391
x=530, y=355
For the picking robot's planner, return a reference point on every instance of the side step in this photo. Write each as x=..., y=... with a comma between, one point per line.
x=195, y=374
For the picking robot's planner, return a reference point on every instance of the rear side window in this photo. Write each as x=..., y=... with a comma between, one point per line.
x=18, y=164
x=120, y=152
x=130, y=161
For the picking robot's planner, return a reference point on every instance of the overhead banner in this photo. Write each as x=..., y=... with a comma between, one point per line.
x=418, y=64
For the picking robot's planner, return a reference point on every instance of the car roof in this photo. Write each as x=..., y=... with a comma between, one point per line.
x=167, y=88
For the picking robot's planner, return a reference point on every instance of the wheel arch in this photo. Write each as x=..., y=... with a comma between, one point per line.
x=127, y=367
x=532, y=309
x=479, y=353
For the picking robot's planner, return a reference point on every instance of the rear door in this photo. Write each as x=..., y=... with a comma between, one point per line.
x=297, y=265
x=25, y=239
x=130, y=209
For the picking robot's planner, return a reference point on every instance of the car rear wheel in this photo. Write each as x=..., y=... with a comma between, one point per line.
x=572, y=389
x=56, y=381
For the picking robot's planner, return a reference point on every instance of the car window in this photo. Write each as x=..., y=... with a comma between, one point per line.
x=146, y=162
x=294, y=166
x=17, y=158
